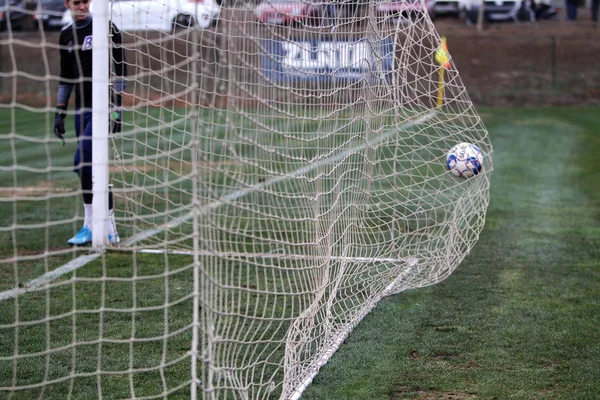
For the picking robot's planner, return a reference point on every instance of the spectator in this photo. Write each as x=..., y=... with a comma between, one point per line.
x=572, y=9
x=595, y=6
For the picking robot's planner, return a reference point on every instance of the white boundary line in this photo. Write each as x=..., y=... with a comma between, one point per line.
x=278, y=256
x=49, y=276
x=80, y=261
x=343, y=334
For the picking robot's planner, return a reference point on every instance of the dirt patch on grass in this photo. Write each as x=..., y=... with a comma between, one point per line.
x=540, y=63
x=44, y=188
x=424, y=394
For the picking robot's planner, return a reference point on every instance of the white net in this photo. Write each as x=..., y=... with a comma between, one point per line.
x=278, y=173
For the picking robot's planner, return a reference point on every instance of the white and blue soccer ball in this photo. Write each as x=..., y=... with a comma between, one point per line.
x=465, y=160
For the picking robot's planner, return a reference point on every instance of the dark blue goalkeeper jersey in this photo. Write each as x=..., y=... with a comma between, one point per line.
x=76, y=60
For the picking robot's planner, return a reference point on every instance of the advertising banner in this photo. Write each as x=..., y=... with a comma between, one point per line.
x=326, y=60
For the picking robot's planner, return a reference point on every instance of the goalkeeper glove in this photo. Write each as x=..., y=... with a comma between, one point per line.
x=115, y=116
x=59, y=124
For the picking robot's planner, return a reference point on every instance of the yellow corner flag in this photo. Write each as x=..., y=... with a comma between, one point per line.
x=442, y=57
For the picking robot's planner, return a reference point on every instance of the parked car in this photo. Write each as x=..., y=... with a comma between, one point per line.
x=161, y=15
x=405, y=9
x=448, y=7
x=288, y=12
x=498, y=10
x=12, y=13
x=49, y=13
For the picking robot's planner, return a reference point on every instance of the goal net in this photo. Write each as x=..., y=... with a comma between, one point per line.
x=282, y=167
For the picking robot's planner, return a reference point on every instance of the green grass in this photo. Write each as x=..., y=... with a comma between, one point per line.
x=126, y=304
x=519, y=318
x=33, y=159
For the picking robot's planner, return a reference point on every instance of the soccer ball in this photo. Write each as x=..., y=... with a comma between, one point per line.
x=464, y=160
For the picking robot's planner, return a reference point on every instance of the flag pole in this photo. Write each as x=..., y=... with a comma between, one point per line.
x=442, y=57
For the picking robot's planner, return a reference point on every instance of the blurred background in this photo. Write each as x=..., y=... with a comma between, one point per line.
x=514, y=52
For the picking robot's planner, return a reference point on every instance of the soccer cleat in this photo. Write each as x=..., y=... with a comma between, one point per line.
x=84, y=236
x=114, y=239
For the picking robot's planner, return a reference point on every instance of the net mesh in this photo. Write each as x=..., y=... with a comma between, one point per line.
x=281, y=168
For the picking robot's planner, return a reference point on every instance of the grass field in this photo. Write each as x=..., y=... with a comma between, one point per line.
x=519, y=318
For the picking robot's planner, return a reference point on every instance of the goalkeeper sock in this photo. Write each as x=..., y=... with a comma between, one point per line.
x=87, y=215
x=85, y=177
x=112, y=226
x=113, y=236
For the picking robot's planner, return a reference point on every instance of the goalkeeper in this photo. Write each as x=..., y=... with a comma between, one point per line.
x=75, y=43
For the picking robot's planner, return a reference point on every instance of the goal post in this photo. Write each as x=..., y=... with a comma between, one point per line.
x=100, y=123
x=278, y=173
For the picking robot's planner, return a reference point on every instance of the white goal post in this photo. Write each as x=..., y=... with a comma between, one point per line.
x=279, y=172
x=100, y=124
